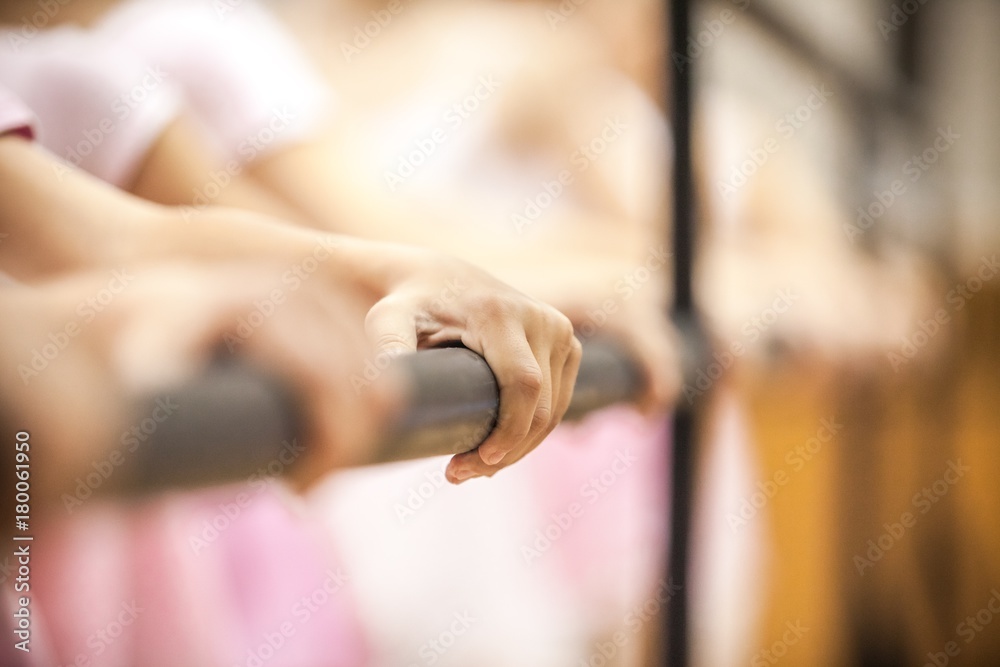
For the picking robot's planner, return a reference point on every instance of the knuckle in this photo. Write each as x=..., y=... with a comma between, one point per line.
x=497, y=305
x=565, y=325
x=529, y=378
x=566, y=351
x=541, y=419
x=488, y=311
x=385, y=306
x=571, y=348
x=390, y=339
x=562, y=328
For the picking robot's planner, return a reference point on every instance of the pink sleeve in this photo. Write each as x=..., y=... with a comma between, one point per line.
x=243, y=78
x=14, y=116
x=98, y=107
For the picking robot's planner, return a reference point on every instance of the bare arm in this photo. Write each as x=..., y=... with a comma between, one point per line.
x=415, y=298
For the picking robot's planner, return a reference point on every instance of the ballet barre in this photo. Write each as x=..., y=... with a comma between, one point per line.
x=237, y=422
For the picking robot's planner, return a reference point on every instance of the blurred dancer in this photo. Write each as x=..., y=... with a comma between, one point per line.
x=492, y=188
x=61, y=221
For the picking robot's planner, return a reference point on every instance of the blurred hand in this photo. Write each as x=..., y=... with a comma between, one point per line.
x=654, y=343
x=530, y=347
x=88, y=345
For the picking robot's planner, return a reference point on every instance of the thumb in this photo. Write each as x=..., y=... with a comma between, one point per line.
x=391, y=328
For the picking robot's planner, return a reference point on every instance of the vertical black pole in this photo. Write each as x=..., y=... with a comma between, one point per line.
x=680, y=69
x=676, y=652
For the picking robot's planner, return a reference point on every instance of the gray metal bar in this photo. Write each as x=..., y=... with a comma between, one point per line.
x=232, y=422
x=236, y=421
x=451, y=408
x=454, y=398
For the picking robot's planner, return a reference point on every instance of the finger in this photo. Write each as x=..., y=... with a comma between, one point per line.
x=391, y=327
x=469, y=465
x=558, y=362
x=568, y=372
x=564, y=364
x=543, y=417
x=319, y=343
x=521, y=382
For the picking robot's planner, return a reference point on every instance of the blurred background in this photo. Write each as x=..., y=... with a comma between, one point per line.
x=848, y=279
x=847, y=158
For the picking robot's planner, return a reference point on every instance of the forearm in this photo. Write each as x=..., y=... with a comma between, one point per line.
x=371, y=269
x=57, y=219
x=324, y=187
x=313, y=186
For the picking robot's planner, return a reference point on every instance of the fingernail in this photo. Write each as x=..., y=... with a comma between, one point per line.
x=463, y=475
x=494, y=458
